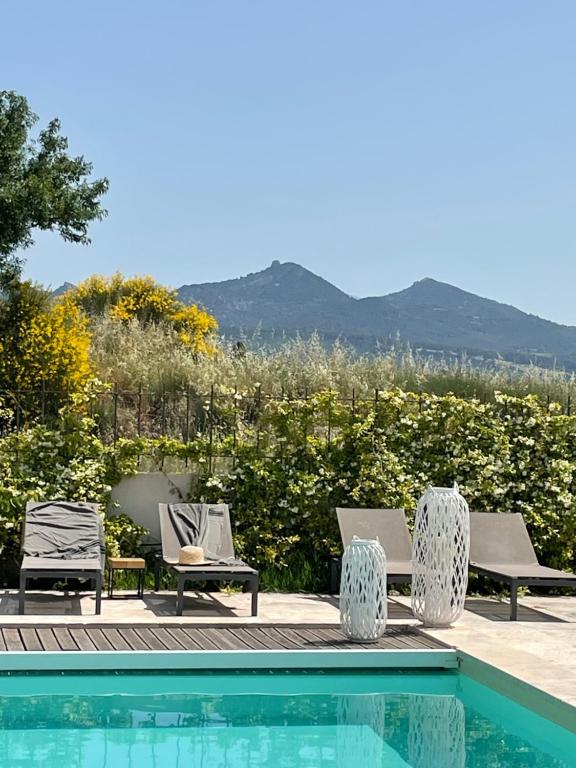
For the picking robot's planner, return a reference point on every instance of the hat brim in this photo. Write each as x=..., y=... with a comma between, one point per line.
x=196, y=564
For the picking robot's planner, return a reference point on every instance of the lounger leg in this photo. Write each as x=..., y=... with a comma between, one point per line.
x=157, y=569
x=180, y=598
x=254, y=585
x=514, y=601
x=333, y=576
x=22, y=593
x=98, y=585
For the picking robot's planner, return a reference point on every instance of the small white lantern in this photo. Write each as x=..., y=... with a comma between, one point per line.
x=440, y=550
x=363, y=609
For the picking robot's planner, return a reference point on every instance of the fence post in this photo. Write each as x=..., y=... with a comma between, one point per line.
x=43, y=402
x=163, y=411
x=258, y=407
x=210, y=428
x=235, y=417
x=115, y=412
x=139, y=415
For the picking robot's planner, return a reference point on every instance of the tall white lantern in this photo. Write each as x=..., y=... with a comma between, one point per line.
x=440, y=550
x=363, y=609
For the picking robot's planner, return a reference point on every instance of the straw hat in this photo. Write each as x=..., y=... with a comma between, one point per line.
x=192, y=556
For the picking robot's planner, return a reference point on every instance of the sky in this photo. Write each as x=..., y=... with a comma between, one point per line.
x=375, y=142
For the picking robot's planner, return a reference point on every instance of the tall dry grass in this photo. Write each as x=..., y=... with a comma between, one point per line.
x=152, y=357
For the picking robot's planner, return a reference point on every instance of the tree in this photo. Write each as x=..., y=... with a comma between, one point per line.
x=41, y=186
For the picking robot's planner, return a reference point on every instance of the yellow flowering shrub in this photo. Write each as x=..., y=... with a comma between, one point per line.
x=145, y=300
x=44, y=348
x=55, y=348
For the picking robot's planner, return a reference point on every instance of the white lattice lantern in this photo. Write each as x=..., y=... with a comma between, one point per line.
x=440, y=549
x=363, y=609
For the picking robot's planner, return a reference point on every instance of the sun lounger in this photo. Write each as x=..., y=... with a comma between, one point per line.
x=220, y=544
x=500, y=548
x=390, y=528
x=62, y=540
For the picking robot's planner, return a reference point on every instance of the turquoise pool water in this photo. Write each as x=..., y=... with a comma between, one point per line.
x=314, y=720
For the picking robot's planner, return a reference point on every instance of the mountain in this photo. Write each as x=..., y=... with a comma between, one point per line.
x=62, y=289
x=431, y=316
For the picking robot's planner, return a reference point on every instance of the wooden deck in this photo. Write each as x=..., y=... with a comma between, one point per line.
x=170, y=637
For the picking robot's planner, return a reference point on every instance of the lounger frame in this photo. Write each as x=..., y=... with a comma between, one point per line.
x=212, y=573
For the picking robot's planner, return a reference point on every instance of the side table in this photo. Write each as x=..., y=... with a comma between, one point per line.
x=126, y=564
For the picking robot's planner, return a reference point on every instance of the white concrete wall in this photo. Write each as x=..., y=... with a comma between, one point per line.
x=138, y=497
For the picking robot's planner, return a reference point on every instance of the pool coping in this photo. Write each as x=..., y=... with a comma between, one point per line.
x=527, y=695
x=364, y=658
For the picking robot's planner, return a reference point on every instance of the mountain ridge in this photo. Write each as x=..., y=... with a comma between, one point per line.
x=430, y=316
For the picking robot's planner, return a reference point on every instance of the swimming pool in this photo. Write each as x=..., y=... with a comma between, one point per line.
x=240, y=719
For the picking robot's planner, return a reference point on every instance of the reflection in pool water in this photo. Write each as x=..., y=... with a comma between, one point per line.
x=462, y=726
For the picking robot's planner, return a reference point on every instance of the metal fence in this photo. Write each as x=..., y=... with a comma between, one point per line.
x=182, y=415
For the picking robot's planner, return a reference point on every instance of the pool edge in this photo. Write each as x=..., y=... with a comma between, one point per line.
x=64, y=661
x=527, y=695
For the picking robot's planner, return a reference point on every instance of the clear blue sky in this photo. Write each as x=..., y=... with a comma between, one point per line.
x=373, y=141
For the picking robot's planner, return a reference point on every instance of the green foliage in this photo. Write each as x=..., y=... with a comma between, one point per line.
x=41, y=186
x=284, y=472
x=67, y=462
x=123, y=536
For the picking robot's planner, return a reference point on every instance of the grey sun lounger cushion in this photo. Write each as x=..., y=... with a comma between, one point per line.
x=500, y=542
x=62, y=540
x=59, y=530
x=202, y=525
x=387, y=525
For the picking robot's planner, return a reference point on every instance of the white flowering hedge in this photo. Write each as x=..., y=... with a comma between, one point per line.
x=287, y=470
x=511, y=455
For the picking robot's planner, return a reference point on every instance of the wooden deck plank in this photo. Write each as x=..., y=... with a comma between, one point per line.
x=253, y=642
x=135, y=642
x=113, y=636
x=204, y=642
x=281, y=639
x=100, y=640
x=30, y=639
x=64, y=639
x=148, y=637
x=184, y=639
x=47, y=638
x=268, y=638
x=82, y=639
x=12, y=639
x=172, y=637
x=168, y=639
